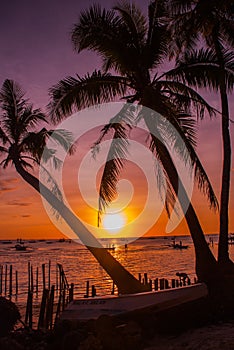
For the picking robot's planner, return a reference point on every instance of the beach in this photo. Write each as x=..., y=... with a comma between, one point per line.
x=212, y=337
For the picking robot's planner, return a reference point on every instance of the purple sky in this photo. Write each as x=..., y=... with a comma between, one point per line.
x=36, y=52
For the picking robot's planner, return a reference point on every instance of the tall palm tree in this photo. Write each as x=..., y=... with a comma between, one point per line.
x=212, y=21
x=133, y=47
x=23, y=146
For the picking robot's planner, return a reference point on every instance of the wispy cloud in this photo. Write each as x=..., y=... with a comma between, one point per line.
x=18, y=203
x=26, y=216
x=8, y=185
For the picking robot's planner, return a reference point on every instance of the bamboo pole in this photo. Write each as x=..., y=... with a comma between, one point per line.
x=37, y=273
x=1, y=276
x=49, y=310
x=5, y=279
x=28, y=314
x=49, y=268
x=43, y=308
x=71, y=292
x=43, y=277
x=32, y=282
x=16, y=282
x=10, y=281
x=29, y=277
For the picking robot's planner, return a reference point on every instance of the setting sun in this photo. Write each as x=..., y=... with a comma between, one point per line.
x=113, y=222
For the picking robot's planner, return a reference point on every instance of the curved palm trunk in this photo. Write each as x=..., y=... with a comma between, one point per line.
x=205, y=261
x=223, y=251
x=206, y=264
x=123, y=279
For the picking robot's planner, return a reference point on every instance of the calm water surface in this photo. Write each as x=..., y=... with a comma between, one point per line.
x=154, y=256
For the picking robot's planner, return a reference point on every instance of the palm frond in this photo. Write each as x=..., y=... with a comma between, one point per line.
x=156, y=47
x=201, y=69
x=3, y=137
x=170, y=134
x=77, y=93
x=134, y=22
x=113, y=166
x=165, y=187
x=31, y=117
x=126, y=116
x=184, y=96
x=63, y=138
x=95, y=26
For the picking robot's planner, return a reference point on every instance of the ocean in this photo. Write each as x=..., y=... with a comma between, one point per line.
x=152, y=255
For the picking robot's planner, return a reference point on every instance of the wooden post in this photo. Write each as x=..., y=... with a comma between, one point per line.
x=58, y=308
x=139, y=277
x=71, y=292
x=177, y=283
x=43, y=308
x=29, y=277
x=43, y=277
x=93, y=291
x=156, y=284
x=5, y=279
x=37, y=273
x=1, y=275
x=173, y=284
x=63, y=298
x=145, y=278
x=60, y=279
x=49, y=267
x=28, y=315
x=87, y=290
x=10, y=282
x=49, y=310
x=16, y=282
x=166, y=284
x=161, y=284
x=32, y=283
x=56, y=271
x=150, y=284
x=113, y=288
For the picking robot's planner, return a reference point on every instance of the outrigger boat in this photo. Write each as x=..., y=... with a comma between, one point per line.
x=178, y=246
x=84, y=309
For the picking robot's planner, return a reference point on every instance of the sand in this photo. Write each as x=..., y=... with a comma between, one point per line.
x=214, y=337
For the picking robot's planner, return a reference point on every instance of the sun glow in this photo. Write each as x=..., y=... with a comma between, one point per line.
x=114, y=222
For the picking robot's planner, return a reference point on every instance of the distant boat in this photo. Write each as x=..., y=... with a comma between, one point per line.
x=110, y=247
x=84, y=309
x=32, y=241
x=49, y=242
x=61, y=240
x=20, y=247
x=178, y=246
x=6, y=242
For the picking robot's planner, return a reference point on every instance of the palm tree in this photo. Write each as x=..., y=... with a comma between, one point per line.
x=23, y=146
x=133, y=47
x=213, y=22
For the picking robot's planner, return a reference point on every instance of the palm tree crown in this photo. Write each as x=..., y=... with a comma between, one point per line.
x=132, y=48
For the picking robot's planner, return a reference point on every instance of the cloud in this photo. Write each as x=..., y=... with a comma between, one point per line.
x=25, y=216
x=7, y=185
x=18, y=203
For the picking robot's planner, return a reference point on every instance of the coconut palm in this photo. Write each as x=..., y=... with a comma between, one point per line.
x=213, y=22
x=132, y=48
x=22, y=146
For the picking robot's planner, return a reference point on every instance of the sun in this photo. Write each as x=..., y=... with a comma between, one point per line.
x=113, y=222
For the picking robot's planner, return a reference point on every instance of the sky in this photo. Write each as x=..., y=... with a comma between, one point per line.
x=36, y=52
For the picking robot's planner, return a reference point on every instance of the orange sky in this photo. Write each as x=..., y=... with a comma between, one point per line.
x=37, y=65
x=22, y=213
